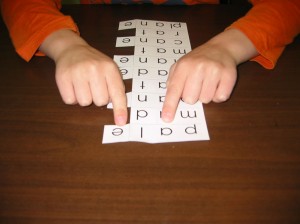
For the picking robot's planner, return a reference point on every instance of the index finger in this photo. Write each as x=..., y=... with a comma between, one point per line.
x=175, y=88
x=116, y=90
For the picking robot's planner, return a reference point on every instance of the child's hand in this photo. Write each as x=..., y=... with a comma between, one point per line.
x=208, y=73
x=84, y=75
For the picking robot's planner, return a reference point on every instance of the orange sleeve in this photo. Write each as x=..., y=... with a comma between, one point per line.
x=30, y=22
x=270, y=25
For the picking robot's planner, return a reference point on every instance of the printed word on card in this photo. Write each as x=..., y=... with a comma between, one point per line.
x=157, y=45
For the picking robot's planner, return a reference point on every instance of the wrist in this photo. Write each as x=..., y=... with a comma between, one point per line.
x=59, y=41
x=236, y=44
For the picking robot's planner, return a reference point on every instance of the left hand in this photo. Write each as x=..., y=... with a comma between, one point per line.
x=208, y=73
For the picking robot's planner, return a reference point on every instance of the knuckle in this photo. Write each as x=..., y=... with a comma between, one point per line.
x=101, y=102
x=69, y=101
x=85, y=102
x=205, y=100
x=189, y=99
x=219, y=98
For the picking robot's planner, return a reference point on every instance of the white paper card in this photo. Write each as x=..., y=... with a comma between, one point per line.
x=157, y=46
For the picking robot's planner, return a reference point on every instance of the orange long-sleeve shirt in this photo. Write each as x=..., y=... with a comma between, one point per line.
x=270, y=25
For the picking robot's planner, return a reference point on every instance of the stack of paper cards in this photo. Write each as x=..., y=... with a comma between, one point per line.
x=157, y=45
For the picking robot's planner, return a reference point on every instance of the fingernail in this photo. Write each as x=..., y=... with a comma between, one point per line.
x=166, y=117
x=120, y=120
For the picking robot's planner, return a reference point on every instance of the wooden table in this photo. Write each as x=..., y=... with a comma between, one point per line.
x=54, y=169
